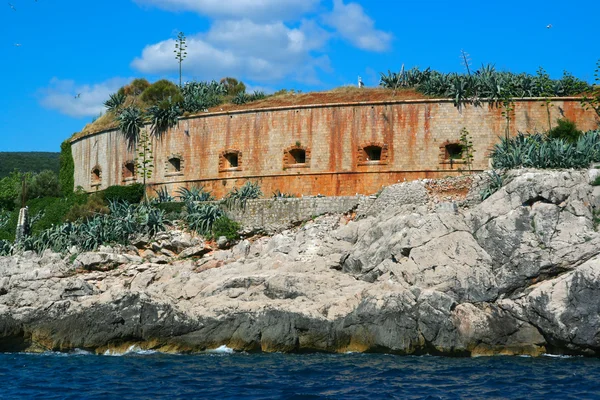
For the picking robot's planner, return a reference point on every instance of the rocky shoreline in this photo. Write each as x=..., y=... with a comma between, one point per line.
x=415, y=273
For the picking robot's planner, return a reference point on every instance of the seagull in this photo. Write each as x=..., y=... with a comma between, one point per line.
x=549, y=26
x=78, y=95
x=11, y=6
x=17, y=44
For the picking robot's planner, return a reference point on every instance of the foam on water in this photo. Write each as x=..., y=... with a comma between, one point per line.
x=133, y=349
x=558, y=356
x=221, y=350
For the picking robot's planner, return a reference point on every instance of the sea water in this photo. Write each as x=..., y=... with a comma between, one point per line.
x=223, y=374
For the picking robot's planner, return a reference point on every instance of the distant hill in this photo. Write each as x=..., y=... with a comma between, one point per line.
x=27, y=162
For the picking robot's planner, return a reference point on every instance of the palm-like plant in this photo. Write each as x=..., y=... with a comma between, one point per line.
x=163, y=116
x=115, y=102
x=131, y=121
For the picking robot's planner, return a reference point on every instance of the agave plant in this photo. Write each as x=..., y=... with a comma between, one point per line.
x=241, y=98
x=541, y=151
x=5, y=248
x=131, y=121
x=4, y=219
x=496, y=181
x=163, y=196
x=198, y=96
x=115, y=102
x=163, y=116
x=239, y=197
x=283, y=195
x=201, y=218
x=194, y=194
x=484, y=83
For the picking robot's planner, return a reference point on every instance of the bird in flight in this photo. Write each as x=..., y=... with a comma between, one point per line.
x=12, y=6
x=17, y=44
x=549, y=26
x=78, y=95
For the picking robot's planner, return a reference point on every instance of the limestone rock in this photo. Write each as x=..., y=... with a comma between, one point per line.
x=195, y=251
x=516, y=274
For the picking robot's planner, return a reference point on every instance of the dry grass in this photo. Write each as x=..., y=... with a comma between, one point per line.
x=346, y=94
x=106, y=121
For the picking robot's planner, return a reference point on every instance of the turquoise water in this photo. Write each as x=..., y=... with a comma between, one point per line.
x=277, y=376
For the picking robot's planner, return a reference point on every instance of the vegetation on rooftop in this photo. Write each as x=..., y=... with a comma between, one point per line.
x=484, y=83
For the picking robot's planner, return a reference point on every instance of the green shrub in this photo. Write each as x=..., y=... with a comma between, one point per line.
x=135, y=88
x=171, y=207
x=225, y=227
x=131, y=194
x=565, y=130
x=66, y=174
x=173, y=210
x=596, y=181
x=10, y=189
x=44, y=184
x=233, y=86
x=160, y=91
x=49, y=211
x=93, y=205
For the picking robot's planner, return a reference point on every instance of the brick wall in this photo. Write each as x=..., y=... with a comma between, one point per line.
x=412, y=136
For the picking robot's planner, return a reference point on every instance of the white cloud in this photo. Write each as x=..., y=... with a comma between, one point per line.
x=352, y=24
x=79, y=101
x=265, y=52
x=256, y=10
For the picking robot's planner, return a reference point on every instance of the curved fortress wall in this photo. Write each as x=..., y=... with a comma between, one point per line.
x=334, y=150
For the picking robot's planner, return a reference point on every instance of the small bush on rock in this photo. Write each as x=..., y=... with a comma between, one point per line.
x=226, y=227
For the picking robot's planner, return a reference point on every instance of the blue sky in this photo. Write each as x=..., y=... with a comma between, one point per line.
x=53, y=50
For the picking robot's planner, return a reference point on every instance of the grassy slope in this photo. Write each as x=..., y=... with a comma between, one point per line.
x=26, y=162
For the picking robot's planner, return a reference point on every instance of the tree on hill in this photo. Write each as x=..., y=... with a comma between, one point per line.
x=160, y=91
x=233, y=86
x=27, y=162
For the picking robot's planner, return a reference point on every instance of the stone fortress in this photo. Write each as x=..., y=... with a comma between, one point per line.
x=331, y=149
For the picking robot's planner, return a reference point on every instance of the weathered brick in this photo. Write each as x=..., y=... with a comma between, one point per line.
x=413, y=134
